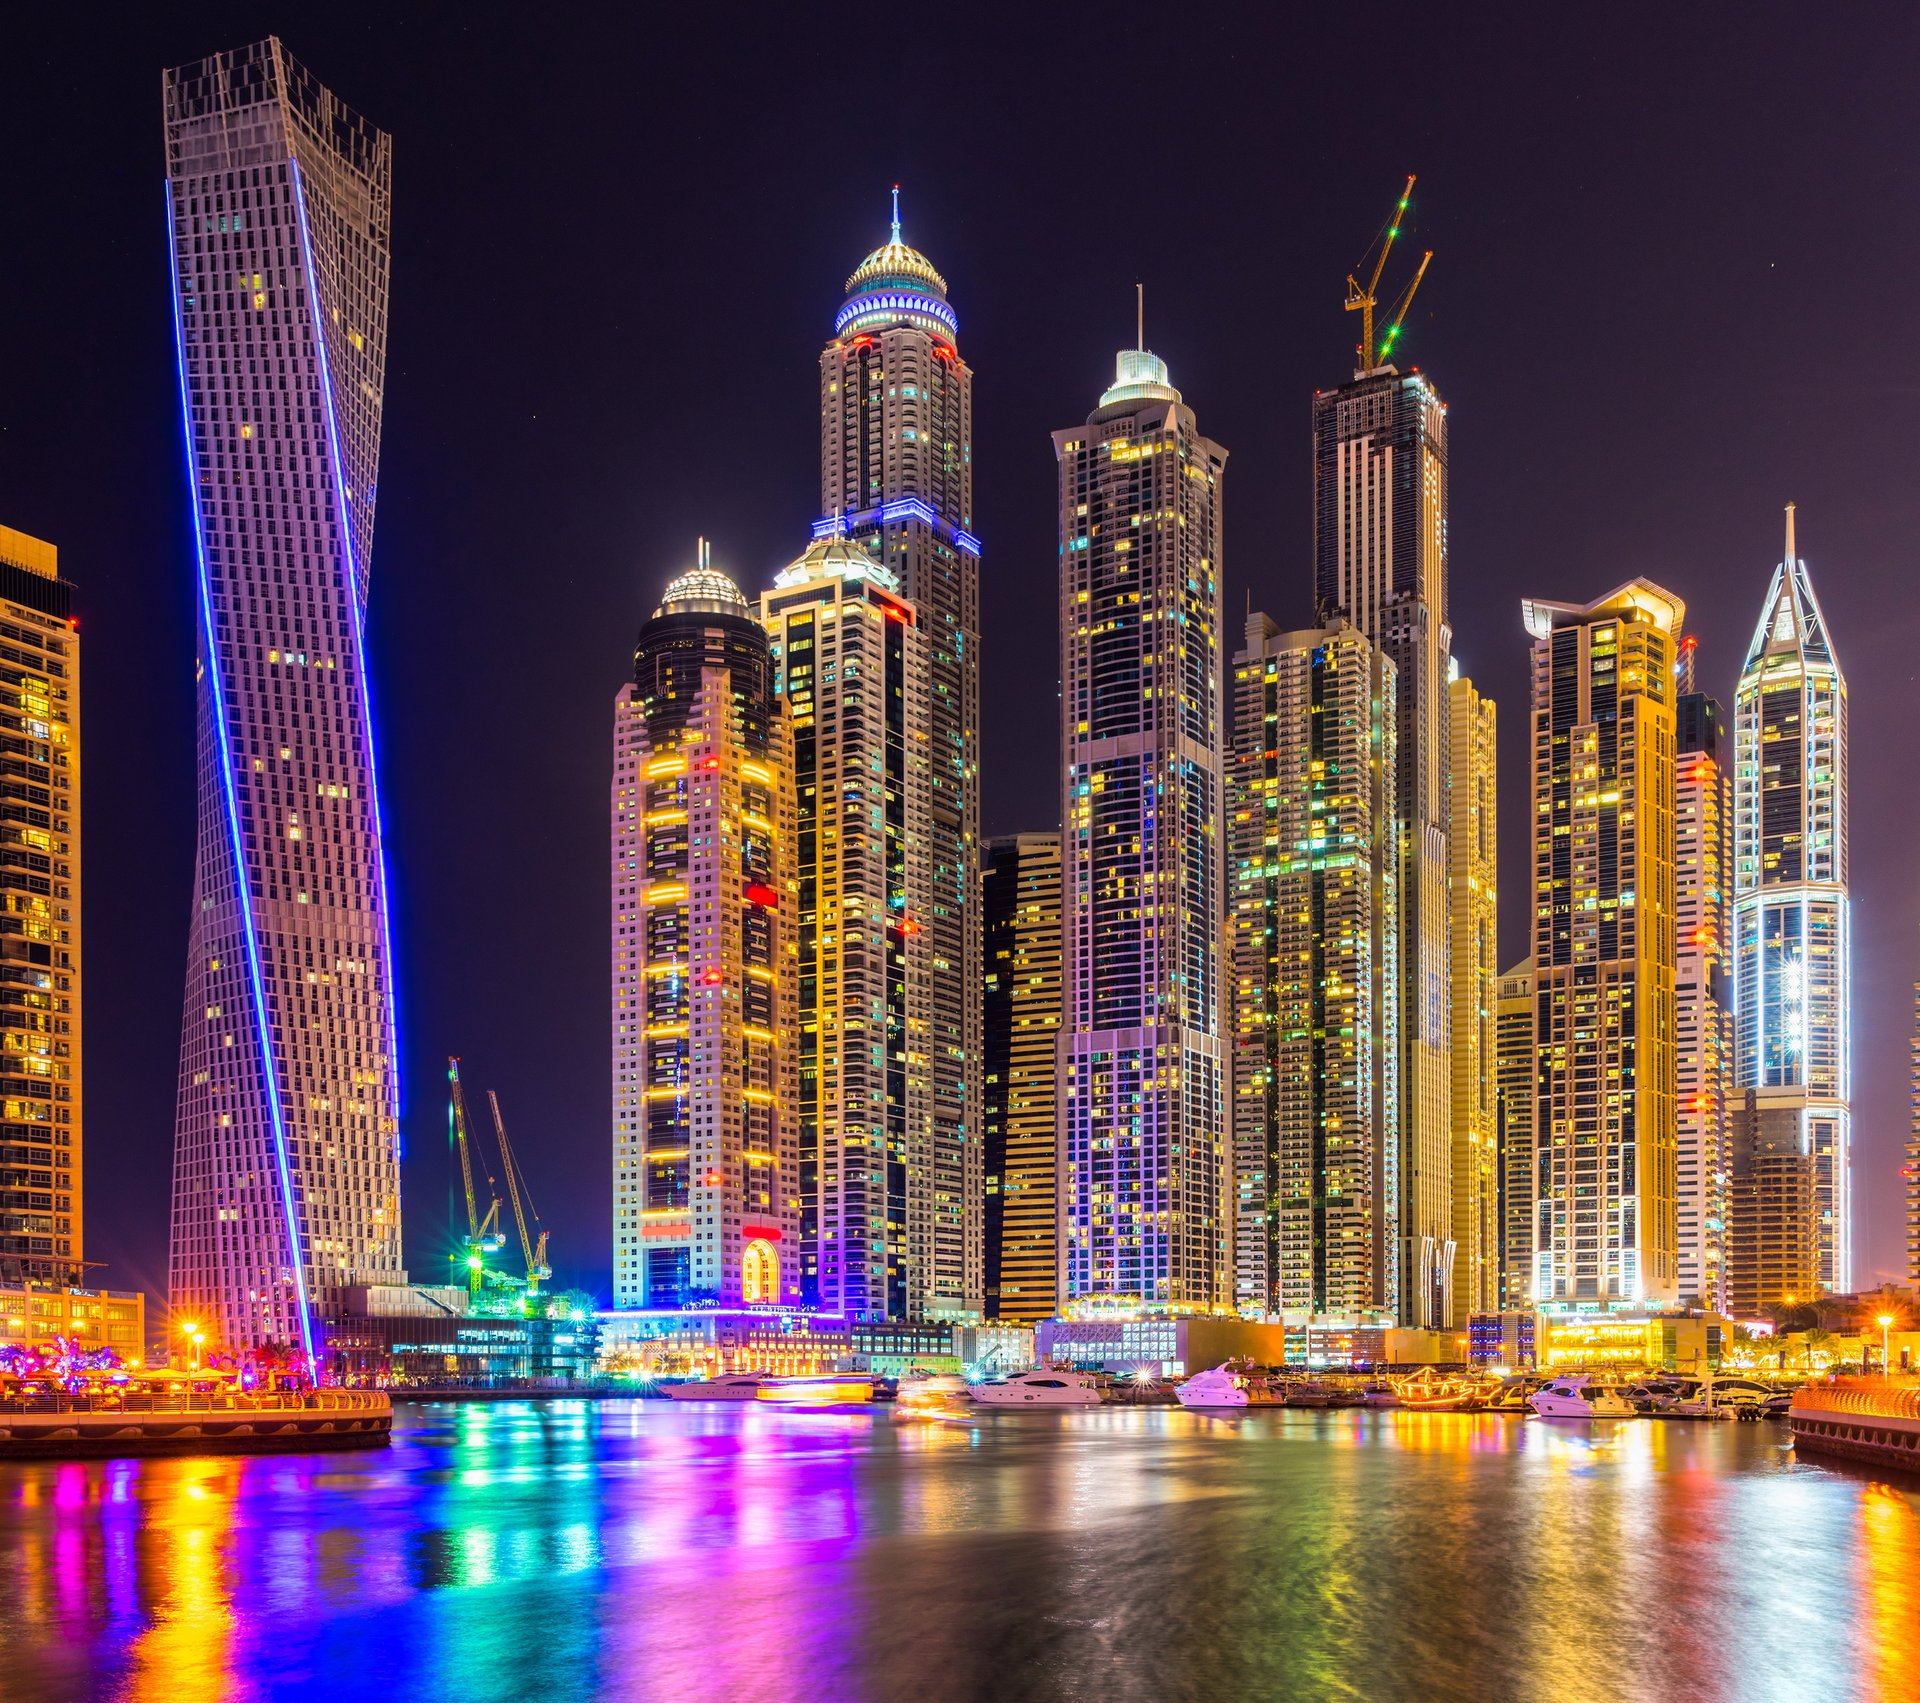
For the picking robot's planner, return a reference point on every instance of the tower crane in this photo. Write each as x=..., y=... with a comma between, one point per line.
x=483, y=1233
x=1364, y=298
x=534, y=1253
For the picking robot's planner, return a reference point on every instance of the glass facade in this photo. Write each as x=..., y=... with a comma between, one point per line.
x=1380, y=559
x=1792, y=947
x=41, y=1157
x=1146, y=1211
x=286, y=1157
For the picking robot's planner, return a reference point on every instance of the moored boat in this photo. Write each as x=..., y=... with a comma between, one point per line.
x=1578, y=1396
x=1042, y=1387
x=1226, y=1387
x=1875, y=1420
x=1428, y=1391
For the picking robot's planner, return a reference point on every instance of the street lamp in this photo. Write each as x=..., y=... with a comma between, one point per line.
x=193, y=1335
x=1886, y=1357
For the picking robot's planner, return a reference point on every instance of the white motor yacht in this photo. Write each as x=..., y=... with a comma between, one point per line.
x=1579, y=1397
x=731, y=1386
x=1223, y=1387
x=1042, y=1387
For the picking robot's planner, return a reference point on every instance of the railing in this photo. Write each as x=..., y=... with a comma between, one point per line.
x=1871, y=1398
x=203, y=1401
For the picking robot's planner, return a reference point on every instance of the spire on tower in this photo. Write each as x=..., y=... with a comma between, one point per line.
x=1140, y=320
x=896, y=212
x=1790, y=555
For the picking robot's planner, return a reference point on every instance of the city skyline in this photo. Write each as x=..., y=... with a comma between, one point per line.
x=1490, y=658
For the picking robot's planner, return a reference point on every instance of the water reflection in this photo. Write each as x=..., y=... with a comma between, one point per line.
x=568, y=1550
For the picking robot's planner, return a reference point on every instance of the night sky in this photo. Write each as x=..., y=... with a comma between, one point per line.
x=1675, y=264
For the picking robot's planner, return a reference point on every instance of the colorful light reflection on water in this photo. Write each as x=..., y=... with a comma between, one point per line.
x=661, y=1550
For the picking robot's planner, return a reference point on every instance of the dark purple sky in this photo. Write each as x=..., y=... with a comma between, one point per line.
x=1676, y=257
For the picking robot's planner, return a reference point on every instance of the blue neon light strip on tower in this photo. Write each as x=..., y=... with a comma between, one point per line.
x=880, y=305
x=275, y=1112
x=900, y=508
x=359, y=634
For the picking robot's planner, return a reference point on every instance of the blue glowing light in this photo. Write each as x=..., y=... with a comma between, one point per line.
x=890, y=304
x=900, y=508
x=257, y=981
x=359, y=647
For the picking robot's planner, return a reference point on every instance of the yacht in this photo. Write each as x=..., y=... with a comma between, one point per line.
x=730, y=1386
x=1042, y=1387
x=1223, y=1387
x=1580, y=1397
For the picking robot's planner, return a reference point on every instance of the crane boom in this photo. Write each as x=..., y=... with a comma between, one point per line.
x=1364, y=298
x=1400, y=308
x=516, y=1192
x=457, y=1117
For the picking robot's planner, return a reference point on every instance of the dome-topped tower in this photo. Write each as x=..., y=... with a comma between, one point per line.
x=896, y=285
x=703, y=589
x=835, y=553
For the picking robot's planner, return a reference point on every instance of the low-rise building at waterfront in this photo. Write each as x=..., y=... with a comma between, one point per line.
x=655, y=1342
x=35, y=1316
x=1630, y=1340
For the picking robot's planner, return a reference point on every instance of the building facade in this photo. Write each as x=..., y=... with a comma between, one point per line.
x=1513, y=1072
x=1911, y=1170
x=1792, y=943
x=1020, y=901
x=286, y=1154
x=896, y=472
x=1703, y=996
x=1313, y=856
x=1146, y=1212
x=1473, y=936
x=1774, y=1242
x=706, y=1133
x=42, y=1159
x=852, y=664
x=1604, y=684
x=1380, y=558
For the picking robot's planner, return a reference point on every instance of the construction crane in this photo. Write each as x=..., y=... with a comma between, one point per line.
x=535, y=1253
x=483, y=1233
x=1364, y=298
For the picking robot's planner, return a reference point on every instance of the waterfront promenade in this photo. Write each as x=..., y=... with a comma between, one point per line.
x=566, y=1550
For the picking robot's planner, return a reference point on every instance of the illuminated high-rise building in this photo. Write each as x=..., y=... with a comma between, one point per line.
x=1380, y=558
x=1513, y=1073
x=851, y=658
x=706, y=1149
x=896, y=469
x=1604, y=684
x=1146, y=1212
x=1703, y=995
x=41, y=1157
x=1792, y=950
x=286, y=1155
x=1473, y=928
x=1020, y=900
x=1313, y=861
x=1773, y=1242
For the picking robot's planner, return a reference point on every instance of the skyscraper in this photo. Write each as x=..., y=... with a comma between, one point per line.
x=1773, y=1251
x=1792, y=945
x=286, y=1155
x=851, y=657
x=1380, y=558
x=1146, y=1213
x=896, y=468
x=706, y=1141
x=1911, y=1170
x=1313, y=857
x=1513, y=1116
x=1020, y=900
x=1473, y=929
x=1603, y=945
x=41, y=1147
x=1703, y=995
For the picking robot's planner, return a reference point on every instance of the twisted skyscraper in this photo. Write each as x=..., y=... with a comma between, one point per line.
x=286, y=1159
